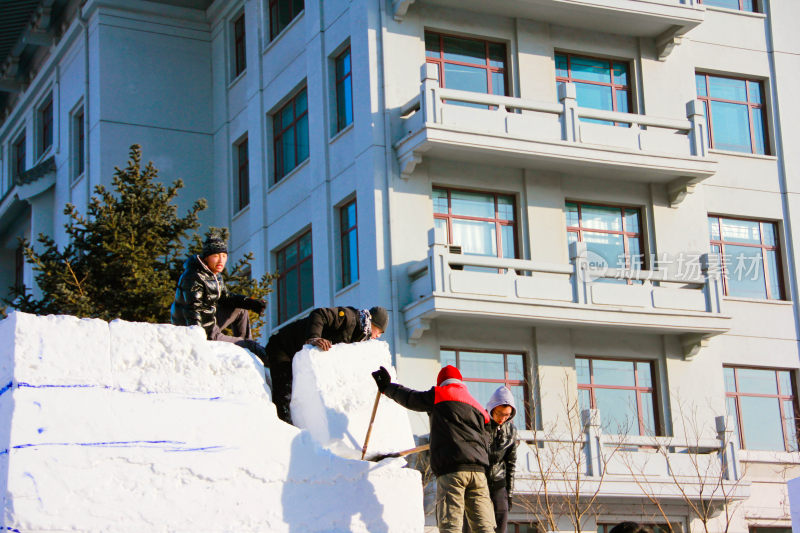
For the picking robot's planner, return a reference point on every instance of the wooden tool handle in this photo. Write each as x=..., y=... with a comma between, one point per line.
x=369, y=429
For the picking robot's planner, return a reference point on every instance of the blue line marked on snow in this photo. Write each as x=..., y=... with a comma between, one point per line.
x=6, y=387
x=23, y=384
x=11, y=529
x=165, y=445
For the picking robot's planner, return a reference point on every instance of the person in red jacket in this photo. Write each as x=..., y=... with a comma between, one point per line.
x=459, y=448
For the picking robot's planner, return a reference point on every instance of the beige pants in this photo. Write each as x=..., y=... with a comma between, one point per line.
x=463, y=492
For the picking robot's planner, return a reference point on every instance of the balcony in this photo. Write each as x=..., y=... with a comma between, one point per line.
x=513, y=132
x=704, y=471
x=666, y=21
x=577, y=295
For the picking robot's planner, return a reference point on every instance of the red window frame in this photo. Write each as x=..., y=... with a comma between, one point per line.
x=46, y=125
x=280, y=257
x=499, y=222
x=764, y=248
x=611, y=83
x=341, y=119
x=18, y=162
x=750, y=107
x=780, y=397
x=506, y=381
x=344, y=240
x=626, y=235
x=239, y=55
x=741, y=6
x=276, y=9
x=242, y=175
x=441, y=61
x=79, y=143
x=591, y=387
x=278, y=132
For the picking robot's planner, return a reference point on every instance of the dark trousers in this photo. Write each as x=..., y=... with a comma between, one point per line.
x=239, y=322
x=499, y=497
x=280, y=367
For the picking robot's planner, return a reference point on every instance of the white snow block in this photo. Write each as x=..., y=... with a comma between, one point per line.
x=179, y=437
x=333, y=395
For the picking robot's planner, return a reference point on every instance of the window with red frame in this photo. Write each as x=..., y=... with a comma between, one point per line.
x=762, y=403
x=281, y=14
x=239, y=55
x=468, y=64
x=599, y=83
x=242, y=197
x=622, y=390
x=735, y=113
x=295, y=277
x=348, y=226
x=290, y=134
x=45, y=126
x=484, y=372
x=612, y=234
x=482, y=223
x=344, y=90
x=18, y=157
x=750, y=257
x=739, y=5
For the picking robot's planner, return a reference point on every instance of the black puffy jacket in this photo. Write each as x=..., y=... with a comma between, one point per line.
x=459, y=439
x=503, y=454
x=336, y=324
x=198, y=294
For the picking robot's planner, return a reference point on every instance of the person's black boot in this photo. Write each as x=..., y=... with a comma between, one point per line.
x=282, y=390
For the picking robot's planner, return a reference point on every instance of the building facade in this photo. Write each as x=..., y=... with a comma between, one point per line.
x=590, y=202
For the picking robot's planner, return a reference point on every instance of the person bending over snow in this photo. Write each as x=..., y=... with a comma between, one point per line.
x=459, y=448
x=323, y=327
x=201, y=299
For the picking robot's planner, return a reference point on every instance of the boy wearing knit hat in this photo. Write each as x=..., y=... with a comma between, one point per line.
x=202, y=299
x=459, y=448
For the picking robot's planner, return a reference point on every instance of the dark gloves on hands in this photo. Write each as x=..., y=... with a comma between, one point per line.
x=382, y=378
x=255, y=305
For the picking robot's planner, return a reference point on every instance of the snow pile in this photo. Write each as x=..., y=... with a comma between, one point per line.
x=127, y=427
x=333, y=396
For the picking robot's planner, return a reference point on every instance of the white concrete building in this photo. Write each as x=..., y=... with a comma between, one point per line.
x=538, y=190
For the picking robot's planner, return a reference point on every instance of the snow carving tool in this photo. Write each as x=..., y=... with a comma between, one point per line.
x=382, y=456
x=371, y=421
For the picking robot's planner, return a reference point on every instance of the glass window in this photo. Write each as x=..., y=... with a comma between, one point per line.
x=242, y=189
x=239, y=57
x=348, y=225
x=599, y=83
x=281, y=13
x=735, y=118
x=18, y=157
x=612, y=234
x=761, y=401
x=295, y=277
x=750, y=257
x=482, y=223
x=290, y=130
x=484, y=372
x=344, y=91
x=46, y=125
x=740, y=5
x=468, y=64
x=19, y=268
x=78, y=143
x=621, y=390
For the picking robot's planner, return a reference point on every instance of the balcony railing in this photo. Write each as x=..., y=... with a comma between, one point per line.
x=627, y=466
x=515, y=132
x=574, y=295
x=665, y=21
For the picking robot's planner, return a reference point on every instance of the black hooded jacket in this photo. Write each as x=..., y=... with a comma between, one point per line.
x=503, y=454
x=198, y=294
x=336, y=324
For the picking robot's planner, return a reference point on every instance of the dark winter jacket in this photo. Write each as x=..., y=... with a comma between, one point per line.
x=336, y=324
x=459, y=439
x=503, y=445
x=198, y=294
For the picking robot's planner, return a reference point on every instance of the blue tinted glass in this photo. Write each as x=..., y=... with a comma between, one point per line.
x=727, y=89
x=582, y=370
x=700, y=81
x=631, y=221
x=505, y=208
x=618, y=412
x=594, y=96
x=432, y=45
x=497, y=55
x=465, y=78
x=301, y=102
x=302, y=139
x=584, y=399
x=475, y=236
x=762, y=424
x=731, y=127
x=713, y=228
x=622, y=101
x=618, y=373
x=730, y=381
x=561, y=66
x=758, y=131
x=292, y=296
x=440, y=229
x=620, y=73
x=584, y=68
x=306, y=285
x=482, y=365
x=745, y=273
x=499, y=83
x=768, y=233
x=516, y=370
x=644, y=374
x=774, y=275
x=290, y=254
x=507, y=235
x=756, y=381
x=747, y=231
x=349, y=216
x=439, y=201
x=447, y=357
x=572, y=214
x=518, y=393
x=605, y=250
x=464, y=50
x=305, y=245
x=648, y=417
x=601, y=217
x=472, y=204
x=754, y=91
x=791, y=425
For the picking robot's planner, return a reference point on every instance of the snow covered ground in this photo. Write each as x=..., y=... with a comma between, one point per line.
x=139, y=427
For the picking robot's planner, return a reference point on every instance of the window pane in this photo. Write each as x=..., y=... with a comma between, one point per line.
x=618, y=412
x=353, y=258
x=301, y=103
x=465, y=78
x=305, y=245
x=745, y=271
x=349, y=216
x=348, y=100
x=758, y=131
x=288, y=152
x=644, y=373
x=440, y=227
x=768, y=233
x=515, y=367
x=447, y=357
x=774, y=275
x=584, y=399
x=432, y=44
x=464, y=50
x=594, y=96
x=475, y=236
x=292, y=296
x=482, y=365
x=631, y=221
x=584, y=68
x=507, y=233
x=497, y=55
x=727, y=88
x=572, y=214
x=306, y=285
x=619, y=373
x=291, y=255
x=472, y=204
x=287, y=116
x=762, y=423
x=481, y=391
x=342, y=65
x=608, y=247
x=622, y=101
x=505, y=208
x=499, y=83
x=785, y=380
x=730, y=380
x=754, y=91
x=648, y=417
x=730, y=405
x=518, y=393
x=599, y=217
x=582, y=370
x=700, y=82
x=756, y=381
x=561, y=66
x=620, y=73
x=713, y=228
x=439, y=201
x=731, y=126
x=747, y=231
x=302, y=139
x=790, y=424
